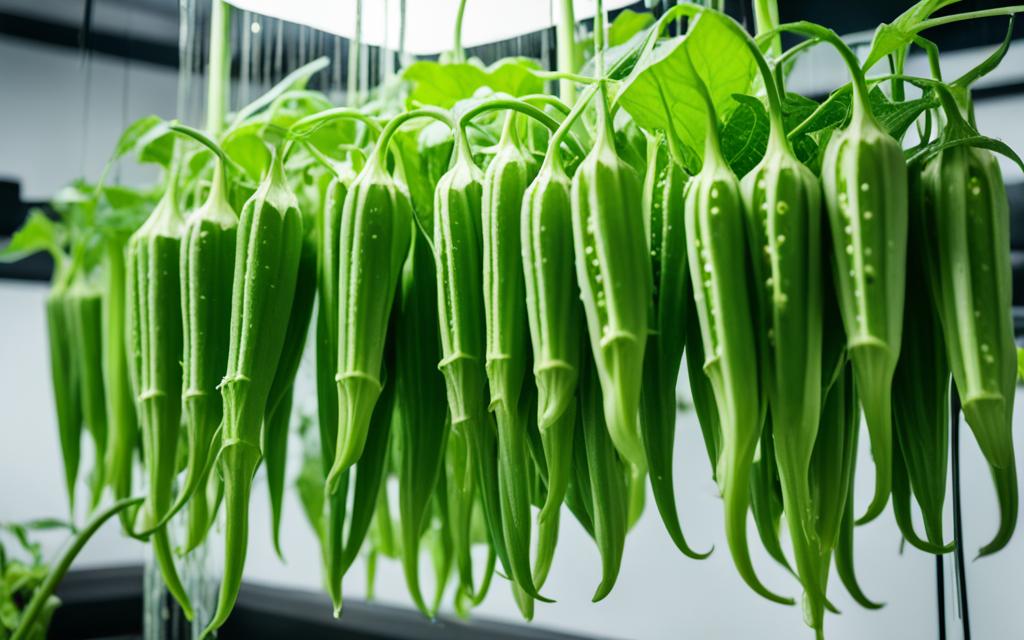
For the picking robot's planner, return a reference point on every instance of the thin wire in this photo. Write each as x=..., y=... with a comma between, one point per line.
x=958, y=528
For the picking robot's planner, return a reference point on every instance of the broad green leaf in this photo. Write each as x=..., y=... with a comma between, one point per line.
x=38, y=233
x=626, y=25
x=745, y=135
x=662, y=92
x=443, y=85
x=892, y=37
x=130, y=139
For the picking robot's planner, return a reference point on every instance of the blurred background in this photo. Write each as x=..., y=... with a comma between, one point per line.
x=74, y=73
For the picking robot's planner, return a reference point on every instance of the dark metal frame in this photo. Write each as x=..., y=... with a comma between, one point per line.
x=108, y=603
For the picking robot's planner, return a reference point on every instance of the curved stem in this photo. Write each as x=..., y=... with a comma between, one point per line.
x=380, y=150
x=811, y=30
x=970, y=15
x=777, y=130
x=56, y=574
x=309, y=124
x=219, y=69
x=599, y=26
x=547, y=100
x=460, y=53
x=206, y=141
x=520, y=106
x=766, y=17
x=567, y=50
x=552, y=157
x=562, y=75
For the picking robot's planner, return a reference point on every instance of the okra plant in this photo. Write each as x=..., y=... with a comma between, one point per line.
x=505, y=288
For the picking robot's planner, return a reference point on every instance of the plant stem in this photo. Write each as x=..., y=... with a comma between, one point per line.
x=566, y=35
x=354, y=45
x=599, y=39
x=56, y=574
x=218, y=75
x=766, y=17
x=457, y=50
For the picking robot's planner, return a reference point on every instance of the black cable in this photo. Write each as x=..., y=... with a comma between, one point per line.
x=958, y=529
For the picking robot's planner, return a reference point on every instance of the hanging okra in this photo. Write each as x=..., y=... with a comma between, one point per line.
x=664, y=224
x=963, y=205
x=155, y=348
x=719, y=266
x=782, y=199
x=444, y=255
x=614, y=275
x=267, y=255
x=864, y=178
x=122, y=421
x=207, y=262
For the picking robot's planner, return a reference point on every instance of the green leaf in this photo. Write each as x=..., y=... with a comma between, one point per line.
x=37, y=233
x=443, y=85
x=745, y=134
x=626, y=25
x=896, y=117
x=293, y=81
x=1020, y=363
x=662, y=92
x=130, y=139
x=892, y=37
x=45, y=524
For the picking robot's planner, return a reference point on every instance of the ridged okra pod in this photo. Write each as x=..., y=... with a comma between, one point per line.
x=458, y=262
x=207, y=272
x=66, y=396
x=122, y=421
x=279, y=401
x=782, y=202
x=719, y=272
x=555, y=321
x=864, y=180
x=267, y=256
x=607, y=480
x=963, y=205
x=614, y=274
x=84, y=306
x=920, y=408
x=420, y=422
x=155, y=349
x=664, y=224
x=373, y=242
x=504, y=185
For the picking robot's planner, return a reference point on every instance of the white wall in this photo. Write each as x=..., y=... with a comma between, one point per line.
x=660, y=594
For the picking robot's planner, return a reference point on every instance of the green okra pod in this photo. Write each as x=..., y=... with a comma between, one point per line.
x=864, y=180
x=374, y=240
x=122, y=421
x=155, y=352
x=66, y=394
x=920, y=408
x=267, y=256
x=664, y=223
x=963, y=205
x=614, y=275
x=782, y=202
x=84, y=308
x=719, y=271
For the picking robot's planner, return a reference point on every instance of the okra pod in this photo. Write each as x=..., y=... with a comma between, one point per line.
x=614, y=275
x=267, y=256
